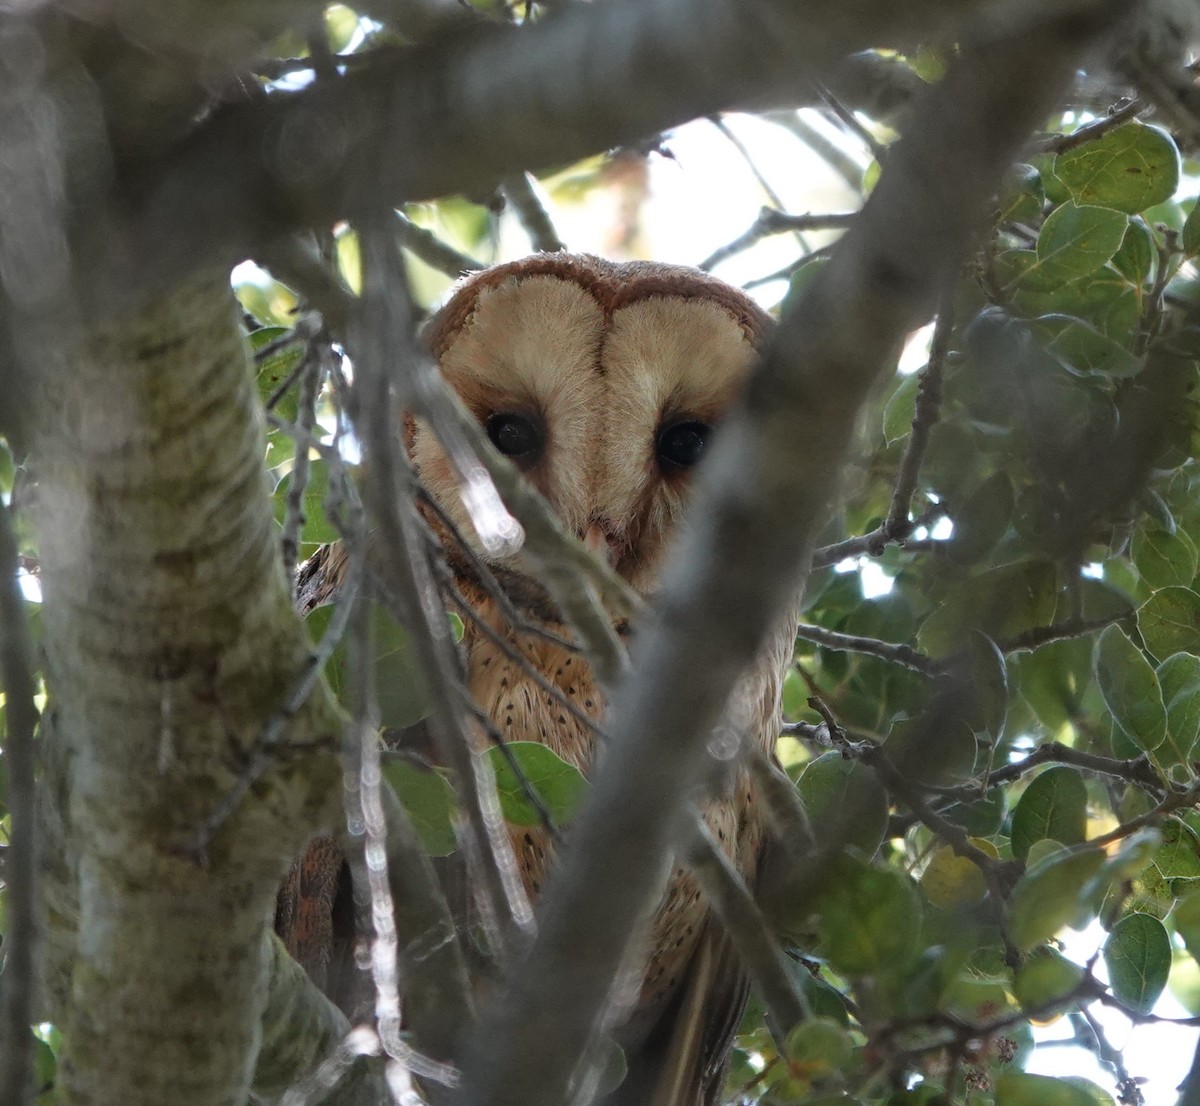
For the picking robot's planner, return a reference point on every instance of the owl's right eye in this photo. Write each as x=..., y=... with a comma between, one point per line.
x=518, y=436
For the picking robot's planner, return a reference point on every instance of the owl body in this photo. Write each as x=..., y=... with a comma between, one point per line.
x=603, y=383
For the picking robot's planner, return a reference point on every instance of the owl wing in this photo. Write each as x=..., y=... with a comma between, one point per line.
x=682, y=1061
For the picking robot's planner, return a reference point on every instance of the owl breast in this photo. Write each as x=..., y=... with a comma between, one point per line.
x=521, y=709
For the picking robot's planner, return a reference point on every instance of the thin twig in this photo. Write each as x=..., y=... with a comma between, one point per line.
x=788, y=271
x=895, y=653
x=303, y=330
x=487, y=580
x=728, y=896
x=813, y=732
x=773, y=221
x=1060, y=143
x=1000, y=875
x=1129, y=1091
x=1150, y=323
x=851, y=122
x=20, y=866
x=517, y=657
x=365, y=820
x=1058, y=631
x=926, y=411
x=384, y=345
x=1139, y=770
x=835, y=155
x=1171, y=802
x=531, y=213
x=874, y=542
x=297, y=262
x=750, y=162
x=784, y=808
x=431, y=249
x=311, y=378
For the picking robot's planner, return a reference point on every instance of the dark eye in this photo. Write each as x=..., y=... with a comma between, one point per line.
x=682, y=445
x=517, y=436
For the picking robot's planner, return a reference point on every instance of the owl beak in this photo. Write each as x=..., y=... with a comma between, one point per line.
x=602, y=544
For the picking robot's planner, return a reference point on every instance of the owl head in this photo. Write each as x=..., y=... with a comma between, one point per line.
x=602, y=382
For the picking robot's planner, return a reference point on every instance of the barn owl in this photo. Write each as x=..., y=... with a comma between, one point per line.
x=604, y=383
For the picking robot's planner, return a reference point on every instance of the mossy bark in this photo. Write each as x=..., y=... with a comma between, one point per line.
x=170, y=640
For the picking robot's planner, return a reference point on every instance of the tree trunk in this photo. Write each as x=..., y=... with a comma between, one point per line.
x=170, y=641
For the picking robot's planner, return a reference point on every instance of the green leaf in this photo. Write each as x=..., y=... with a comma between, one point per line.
x=973, y=999
x=8, y=469
x=1164, y=559
x=1044, y=979
x=1081, y=349
x=1130, y=168
x=1136, y=256
x=939, y=759
x=986, y=707
x=1075, y=241
x=1023, y=195
x=1179, y=678
x=844, y=802
x=795, y=694
x=316, y=530
x=1130, y=689
x=1191, y=231
x=1022, y=1089
x=821, y=1046
x=1170, y=622
x=951, y=881
x=1098, y=1095
x=823, y=1000
x=341, y=25
x=1056, y=891
x=271, y=372
x=1186, y=917
x=800, y=280
x=1138, y=956
x=1053, y=806
x=270, y=302
x=1000, y=603
x=900, y=408
x=1178, y=857
x=980, y=817
x=560, y=786
x=1102, y=297
x=45, y=1066
x=952, y=458
x=869, y=920
x=399, y=682
x=429, y=800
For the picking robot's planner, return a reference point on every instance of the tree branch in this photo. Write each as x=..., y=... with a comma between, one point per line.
x=382, y=336
x=301, y=1029
x=472, y=109
x=170, y=637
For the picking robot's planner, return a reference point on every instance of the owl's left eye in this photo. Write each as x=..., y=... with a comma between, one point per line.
x=682, y=445
x=518, y=436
